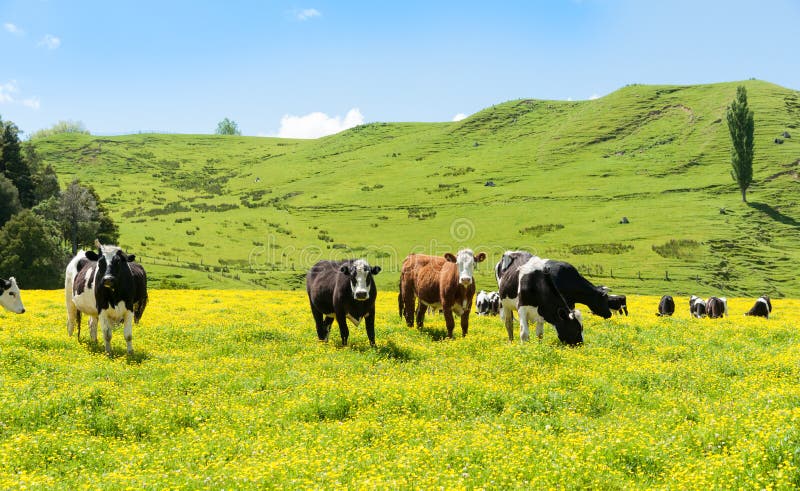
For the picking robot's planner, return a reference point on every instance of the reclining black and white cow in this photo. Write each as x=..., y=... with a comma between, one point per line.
x=697, y=307
x=10, y=297
x=666, y=306
x=110, y=288
x=487, y=303
x=762, y=307
x=342, y=290
x=527, y=286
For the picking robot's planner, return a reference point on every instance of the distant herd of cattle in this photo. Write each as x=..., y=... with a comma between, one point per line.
x=111, y=288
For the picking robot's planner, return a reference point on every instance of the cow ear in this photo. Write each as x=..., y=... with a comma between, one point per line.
x=450, y=258
x=480, y=257
x=6, y=284
x=91, y=255
x=131, y=258
x=375, y=270
x=345, y=270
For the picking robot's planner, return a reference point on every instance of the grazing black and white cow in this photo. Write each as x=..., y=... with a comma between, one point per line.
x=526, y=285
x=618, y=304
x=487, y=303
x=110, y=288
x=666, y=307
x=762, y=307
x=10, y=297
x=577, y=289
x=697, y=307
x=342, y=290
x=716, y=307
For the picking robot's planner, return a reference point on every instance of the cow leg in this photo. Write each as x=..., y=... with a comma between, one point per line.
x=128, y=331
x=73, y=317
x=408, y=298
x=105, y=326
x=524, y=332
x=319, y=322
x=370, y=323
x=341, y=319
x=540, y=328
x=93, y=328
x=464, y=323
x=421, y=309
x=508, y=319
x=449, y=321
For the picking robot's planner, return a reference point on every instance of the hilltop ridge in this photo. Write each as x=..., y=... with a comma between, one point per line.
x=552, y=177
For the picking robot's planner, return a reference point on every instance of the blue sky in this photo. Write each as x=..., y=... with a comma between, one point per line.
x=311, y=67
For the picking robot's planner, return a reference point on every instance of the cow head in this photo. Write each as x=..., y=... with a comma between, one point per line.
x=569, y=322
x=112, y=264
x=360, y=274
x=10, y=297
x=465, y=260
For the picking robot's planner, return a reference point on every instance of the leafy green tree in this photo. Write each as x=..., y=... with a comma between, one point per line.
x=14, y=165
x=228, y=127
x=29, y=250
x=741, y=127
x=61, y=127
x=9, y=200
x=46, y=184
x=107, y=230
x=77, y=209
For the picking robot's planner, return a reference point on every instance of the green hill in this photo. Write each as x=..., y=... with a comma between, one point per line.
x=246, y=212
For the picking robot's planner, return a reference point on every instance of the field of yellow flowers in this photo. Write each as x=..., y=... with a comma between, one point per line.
x=231, y=389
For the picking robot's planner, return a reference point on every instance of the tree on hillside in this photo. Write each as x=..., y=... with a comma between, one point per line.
x=61, y=127
x=77, y=207
x=228, y=127
x=9, y=200
x=107, y=231
x=14, y=166
x=29, y=249
x=741, y=126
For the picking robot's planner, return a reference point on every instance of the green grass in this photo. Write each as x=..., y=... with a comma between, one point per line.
x=246, y=212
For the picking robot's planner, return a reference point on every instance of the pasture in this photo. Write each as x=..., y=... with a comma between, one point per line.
x=230, y=389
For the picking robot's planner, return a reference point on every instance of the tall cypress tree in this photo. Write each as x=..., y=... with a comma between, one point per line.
x=741, y=126
x=15, y=166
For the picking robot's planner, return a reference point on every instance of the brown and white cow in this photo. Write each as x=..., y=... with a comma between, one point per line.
x=443, y=282
x=762, y=307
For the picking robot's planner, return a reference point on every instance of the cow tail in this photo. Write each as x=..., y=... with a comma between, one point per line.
x=138, y=310
x=400, y=299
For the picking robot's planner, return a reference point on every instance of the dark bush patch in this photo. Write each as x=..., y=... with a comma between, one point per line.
x=678, y=249
x=612, y=248
x=541, y=229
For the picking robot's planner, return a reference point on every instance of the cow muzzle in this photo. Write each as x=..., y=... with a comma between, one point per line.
x=466, y=281
x=361, y=295
x=108, y=282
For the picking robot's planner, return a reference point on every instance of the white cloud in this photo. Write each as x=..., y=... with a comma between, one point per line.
x=317, y=124
x=306, y=14
x=32, y=102
x=13, y=29
x=6, y=91
x=593, y=97
x=459, y=117
x=50, y=41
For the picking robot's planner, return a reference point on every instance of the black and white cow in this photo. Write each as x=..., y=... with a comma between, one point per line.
x=666, y=307
x=526, y=285
x=716, y=307
x=10, y=297
x=487, y=303
x=618, y=304
x=762, y=307
x=697, y=307
x=342, y=290
x=110, y=288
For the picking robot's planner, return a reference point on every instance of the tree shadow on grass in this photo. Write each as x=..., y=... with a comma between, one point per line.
x=774, y=214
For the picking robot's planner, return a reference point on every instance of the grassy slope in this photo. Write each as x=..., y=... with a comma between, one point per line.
x=656, y=154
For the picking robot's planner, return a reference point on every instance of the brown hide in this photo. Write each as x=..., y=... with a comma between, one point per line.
x=433, y=279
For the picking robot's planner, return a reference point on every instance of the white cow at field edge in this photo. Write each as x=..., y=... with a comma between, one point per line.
x=10, y=297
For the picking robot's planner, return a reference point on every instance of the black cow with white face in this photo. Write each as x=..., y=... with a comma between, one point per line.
x=342, y=290
x=762, y=307
x=618, y=304
x=109, y=287
x=577, y=289
x=666, y=306
x=526, y=285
